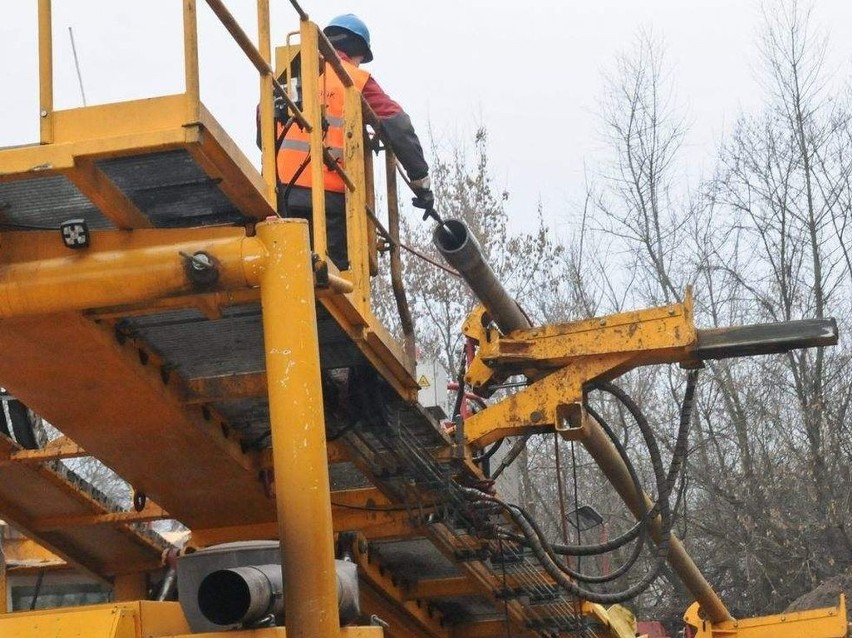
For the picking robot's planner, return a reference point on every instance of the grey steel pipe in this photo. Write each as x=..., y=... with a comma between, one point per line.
x=242, y=595
x=245, y=595
x=595, y=440
x=461, y=250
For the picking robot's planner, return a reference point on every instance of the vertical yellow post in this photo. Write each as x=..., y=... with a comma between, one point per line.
x=45, y=70
x=313, y=113
x=190, y=60
x=4, y=594
x=370, y=193
x=267, y=125
x=356, y=201
x=298, y=431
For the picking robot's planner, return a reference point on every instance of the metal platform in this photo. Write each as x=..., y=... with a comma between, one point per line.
x=171, y=393
x=155, y=163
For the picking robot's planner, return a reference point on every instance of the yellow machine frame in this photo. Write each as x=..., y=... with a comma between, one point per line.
x=275, y=261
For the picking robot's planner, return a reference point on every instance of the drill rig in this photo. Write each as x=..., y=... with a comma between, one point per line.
x=162, y=317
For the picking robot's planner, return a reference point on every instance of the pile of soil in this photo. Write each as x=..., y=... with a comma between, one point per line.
x=827, y=594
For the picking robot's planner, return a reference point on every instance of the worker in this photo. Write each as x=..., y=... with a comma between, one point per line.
x=351, y=39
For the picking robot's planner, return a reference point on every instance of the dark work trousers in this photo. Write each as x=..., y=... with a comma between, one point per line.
x=298, y=204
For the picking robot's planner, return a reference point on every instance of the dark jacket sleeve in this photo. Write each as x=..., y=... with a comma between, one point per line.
x=406, y=145
x=397, y=126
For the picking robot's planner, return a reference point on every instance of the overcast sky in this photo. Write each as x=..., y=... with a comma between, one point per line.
x=531, y=72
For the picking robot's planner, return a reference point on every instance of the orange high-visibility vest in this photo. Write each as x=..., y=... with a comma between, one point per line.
x=295, y=146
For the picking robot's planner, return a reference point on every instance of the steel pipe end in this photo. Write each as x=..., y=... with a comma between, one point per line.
x=451, y=236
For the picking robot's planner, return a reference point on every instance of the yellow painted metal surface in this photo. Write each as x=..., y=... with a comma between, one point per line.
x=4, y=594
x=41, y=276
x=830, y=622
x=20, y=549
x=116, y=393
x=31, y=494
x=267, y=122
x=281, y=632
x=313, y=112
x=358, y=245
x=45, y=62
x=372, y=575
x=112, y=400
x=563, y=358
x=298, y=430
x=119, y=620
x=603, y=345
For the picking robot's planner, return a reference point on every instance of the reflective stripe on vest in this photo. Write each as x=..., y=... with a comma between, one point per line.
x=295, y=147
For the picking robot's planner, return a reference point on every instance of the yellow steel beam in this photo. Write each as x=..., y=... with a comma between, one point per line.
x=209, y=304
x=420, y=618
x=652, y=335
x=399, y=624
x=114, y=397
x=241, y=385
x=133, y=619
x=298, y=429
x=830, y=622
x=579, y=352
x=484, y=579
x=223, y=160
x=372, y=525
x=337, y=453
x=137, y=127
x=59, y=448
x=492, y=628
x=603, y=347
x=105, y=129
x=31, y=492
x=151, y=512
x=450, y=587
x=42, y=276
x=110, y=620
x=21, y=549
x=104, y=194
x=531, y=410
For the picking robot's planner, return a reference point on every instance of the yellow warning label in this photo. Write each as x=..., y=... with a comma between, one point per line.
x=423, y=382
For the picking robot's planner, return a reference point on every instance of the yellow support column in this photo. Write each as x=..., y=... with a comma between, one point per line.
x=45, y=69
x=3, y=592
x=313, y=112
x=267, y=124
x=190, y=63
x=358, y=243
x=298, y=431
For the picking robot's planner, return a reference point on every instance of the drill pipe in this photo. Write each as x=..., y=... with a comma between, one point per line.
x=461, y=250
x=596, y=442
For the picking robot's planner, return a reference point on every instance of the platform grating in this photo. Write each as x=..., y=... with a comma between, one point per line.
x=43, y=203
x=171, y=189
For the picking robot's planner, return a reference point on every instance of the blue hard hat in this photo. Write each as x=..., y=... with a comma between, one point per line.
x=354, y=25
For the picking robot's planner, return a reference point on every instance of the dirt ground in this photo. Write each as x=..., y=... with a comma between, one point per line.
x=826, y=595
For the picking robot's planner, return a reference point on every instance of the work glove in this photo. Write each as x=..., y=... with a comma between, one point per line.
x=280, y=108
x=423, y=196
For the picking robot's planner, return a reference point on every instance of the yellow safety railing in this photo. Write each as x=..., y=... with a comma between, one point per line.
x=356, y=171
